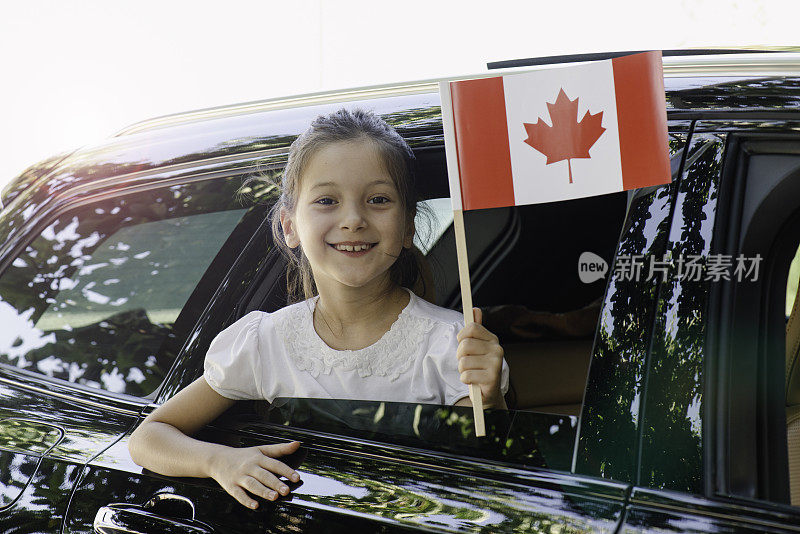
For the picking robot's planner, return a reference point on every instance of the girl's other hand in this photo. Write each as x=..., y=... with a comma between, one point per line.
x=254, y=469
x=480, y=361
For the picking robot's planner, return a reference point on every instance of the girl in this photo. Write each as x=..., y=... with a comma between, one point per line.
x=345, y=218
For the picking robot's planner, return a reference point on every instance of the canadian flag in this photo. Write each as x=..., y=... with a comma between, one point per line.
x=564, y=132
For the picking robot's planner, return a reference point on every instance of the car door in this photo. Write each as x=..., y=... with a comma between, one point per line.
x=394, y=467
x=714, y=450
x=365, y=473
x=98, y=293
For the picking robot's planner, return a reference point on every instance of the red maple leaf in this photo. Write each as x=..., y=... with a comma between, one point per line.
x=566, y=138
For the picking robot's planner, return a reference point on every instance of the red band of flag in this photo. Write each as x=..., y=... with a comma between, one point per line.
x=639, y=88
x=481, y=131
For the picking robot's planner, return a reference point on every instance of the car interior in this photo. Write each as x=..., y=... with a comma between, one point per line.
x=793, y=380
x=524, y=270
x=765, y=323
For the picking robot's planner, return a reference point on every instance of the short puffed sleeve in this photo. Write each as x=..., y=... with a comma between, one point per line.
x=233, y=365
x=443, y=362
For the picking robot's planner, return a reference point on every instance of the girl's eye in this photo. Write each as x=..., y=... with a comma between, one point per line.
x=380, y=199
x=325, y=201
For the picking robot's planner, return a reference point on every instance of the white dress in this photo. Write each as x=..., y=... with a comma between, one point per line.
x=268, y=355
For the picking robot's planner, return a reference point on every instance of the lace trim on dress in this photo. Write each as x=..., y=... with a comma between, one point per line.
x=392, y=355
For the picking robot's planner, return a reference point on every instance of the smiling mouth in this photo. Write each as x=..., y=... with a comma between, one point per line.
x=352, y=247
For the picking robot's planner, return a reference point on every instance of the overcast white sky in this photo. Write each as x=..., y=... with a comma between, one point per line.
x=75, y=72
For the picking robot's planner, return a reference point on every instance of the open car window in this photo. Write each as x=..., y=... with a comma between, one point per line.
x=525, y=265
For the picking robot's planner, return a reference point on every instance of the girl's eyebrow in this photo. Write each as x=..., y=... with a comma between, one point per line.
x=379, y=182
x=333, y=184
x=323, y=184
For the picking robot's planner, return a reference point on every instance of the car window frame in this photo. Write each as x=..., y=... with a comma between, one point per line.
x=272, y=270
x=209, y=327
x=194, y=355
x=736, y=436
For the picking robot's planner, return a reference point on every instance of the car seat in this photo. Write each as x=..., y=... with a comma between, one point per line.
x=793, y=399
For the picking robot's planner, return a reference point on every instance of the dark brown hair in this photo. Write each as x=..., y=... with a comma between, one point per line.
x=346, y=125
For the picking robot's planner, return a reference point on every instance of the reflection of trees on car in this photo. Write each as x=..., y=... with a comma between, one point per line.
x=95, y=296
x=399, y=502
x=676, y=368
x=128, y=338
x=520, y=437
x=767, y=93
x=419, y=118
x=611, y=415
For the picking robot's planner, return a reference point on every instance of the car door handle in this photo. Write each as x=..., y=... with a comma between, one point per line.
x=124, y=518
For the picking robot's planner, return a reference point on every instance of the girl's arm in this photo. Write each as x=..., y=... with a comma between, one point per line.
x=162, y=444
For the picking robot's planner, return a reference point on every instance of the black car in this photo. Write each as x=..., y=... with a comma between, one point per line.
x=662, y=395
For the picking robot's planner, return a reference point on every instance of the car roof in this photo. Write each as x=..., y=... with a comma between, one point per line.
x=750, y=64
x=750, y=82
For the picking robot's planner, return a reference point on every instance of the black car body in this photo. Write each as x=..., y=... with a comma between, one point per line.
x=653, y=399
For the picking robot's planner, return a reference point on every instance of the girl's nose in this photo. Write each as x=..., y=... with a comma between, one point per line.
x=352, y=218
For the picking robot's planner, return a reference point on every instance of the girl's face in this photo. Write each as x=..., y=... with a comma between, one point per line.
x=349, y=216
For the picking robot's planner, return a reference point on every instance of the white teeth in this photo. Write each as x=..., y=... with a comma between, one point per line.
x=353, y=248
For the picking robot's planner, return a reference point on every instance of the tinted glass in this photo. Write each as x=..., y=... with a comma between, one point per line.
x=527, y=438
x=94, y=299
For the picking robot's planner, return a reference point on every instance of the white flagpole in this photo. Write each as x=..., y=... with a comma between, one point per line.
x=461, y=242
